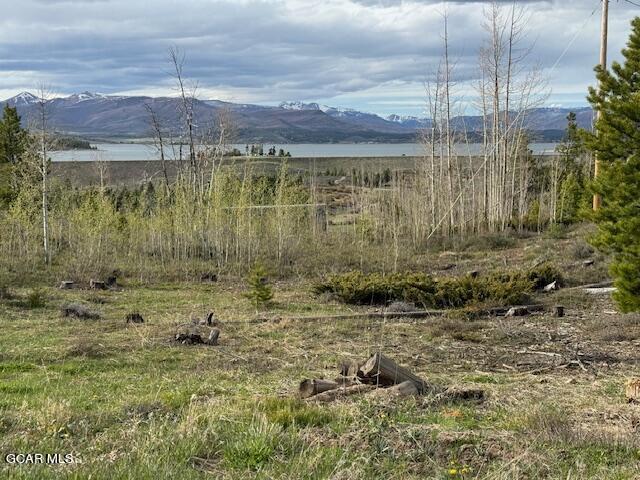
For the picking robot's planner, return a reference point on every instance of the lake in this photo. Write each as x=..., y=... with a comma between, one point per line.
x=140, y=151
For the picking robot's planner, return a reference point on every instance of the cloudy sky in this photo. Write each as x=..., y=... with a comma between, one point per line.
x=372, y=55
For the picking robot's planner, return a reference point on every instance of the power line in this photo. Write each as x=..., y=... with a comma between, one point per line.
x=575, y=37
x=633, y=3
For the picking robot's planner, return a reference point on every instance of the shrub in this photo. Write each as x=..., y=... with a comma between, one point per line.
x=377, y=289
x=543, y=275
x=36, y=299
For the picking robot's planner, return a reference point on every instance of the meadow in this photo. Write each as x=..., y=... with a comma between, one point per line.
x=129, y=402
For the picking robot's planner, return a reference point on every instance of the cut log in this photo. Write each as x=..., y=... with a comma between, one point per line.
x=331, y=395
x=66, y=285
x=633, y=390
x=213, y=336
x=382, y=370
x=404, y=389
x=310, y=387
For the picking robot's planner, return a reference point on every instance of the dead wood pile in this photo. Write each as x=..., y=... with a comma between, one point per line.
x=380, y=377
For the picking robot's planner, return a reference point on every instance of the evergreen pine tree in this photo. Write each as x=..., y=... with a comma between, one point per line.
x=260, y=292
x=12, y=136
x=617, y=144
x=572, y=180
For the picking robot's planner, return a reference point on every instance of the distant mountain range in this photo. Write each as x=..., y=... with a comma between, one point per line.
x=94, y=115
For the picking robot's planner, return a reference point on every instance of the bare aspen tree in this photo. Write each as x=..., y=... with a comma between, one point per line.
x=159, y=140
x=509, y=89
x=43, y=116
x=187, y=101
x=218, y=141
x=447, y=120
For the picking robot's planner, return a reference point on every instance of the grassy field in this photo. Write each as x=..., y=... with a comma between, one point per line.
x=128, y=402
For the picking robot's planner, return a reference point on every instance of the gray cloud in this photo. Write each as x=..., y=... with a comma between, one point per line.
x=360, y=52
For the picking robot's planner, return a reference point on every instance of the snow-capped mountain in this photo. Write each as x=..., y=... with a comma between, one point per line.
x=299, y=106
x=408, y=121
x=23, y=99
x=81, y=97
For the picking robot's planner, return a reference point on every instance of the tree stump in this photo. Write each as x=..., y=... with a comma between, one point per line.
x=213, y=336
x=384, y=371
x=134, y=317
x=310, y=387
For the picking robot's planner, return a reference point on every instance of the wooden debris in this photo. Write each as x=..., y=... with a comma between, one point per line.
x=188, y=338
x=112, y=280
x=633, y=390
x=213, y=336
x=349, y=368
x=517, y=311
x=404, y=389
x=75, y=310
x=209, y=277
x=134, y=317
x=331, y=395
x=66, y=285
x=552, y=286
x=310, y=387
x=192, y=334
x=382, y=378
x=587, y=263
x=600, y=290
x=381, y=370
x=97, y=285
x=400, y=307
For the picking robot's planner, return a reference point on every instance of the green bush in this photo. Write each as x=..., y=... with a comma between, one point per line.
x=420, y=288
x=36, y=299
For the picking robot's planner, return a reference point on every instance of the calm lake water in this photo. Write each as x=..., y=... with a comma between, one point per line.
x=138, y=151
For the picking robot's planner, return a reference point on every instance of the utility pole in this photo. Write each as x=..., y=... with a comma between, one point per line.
x=597, y=200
